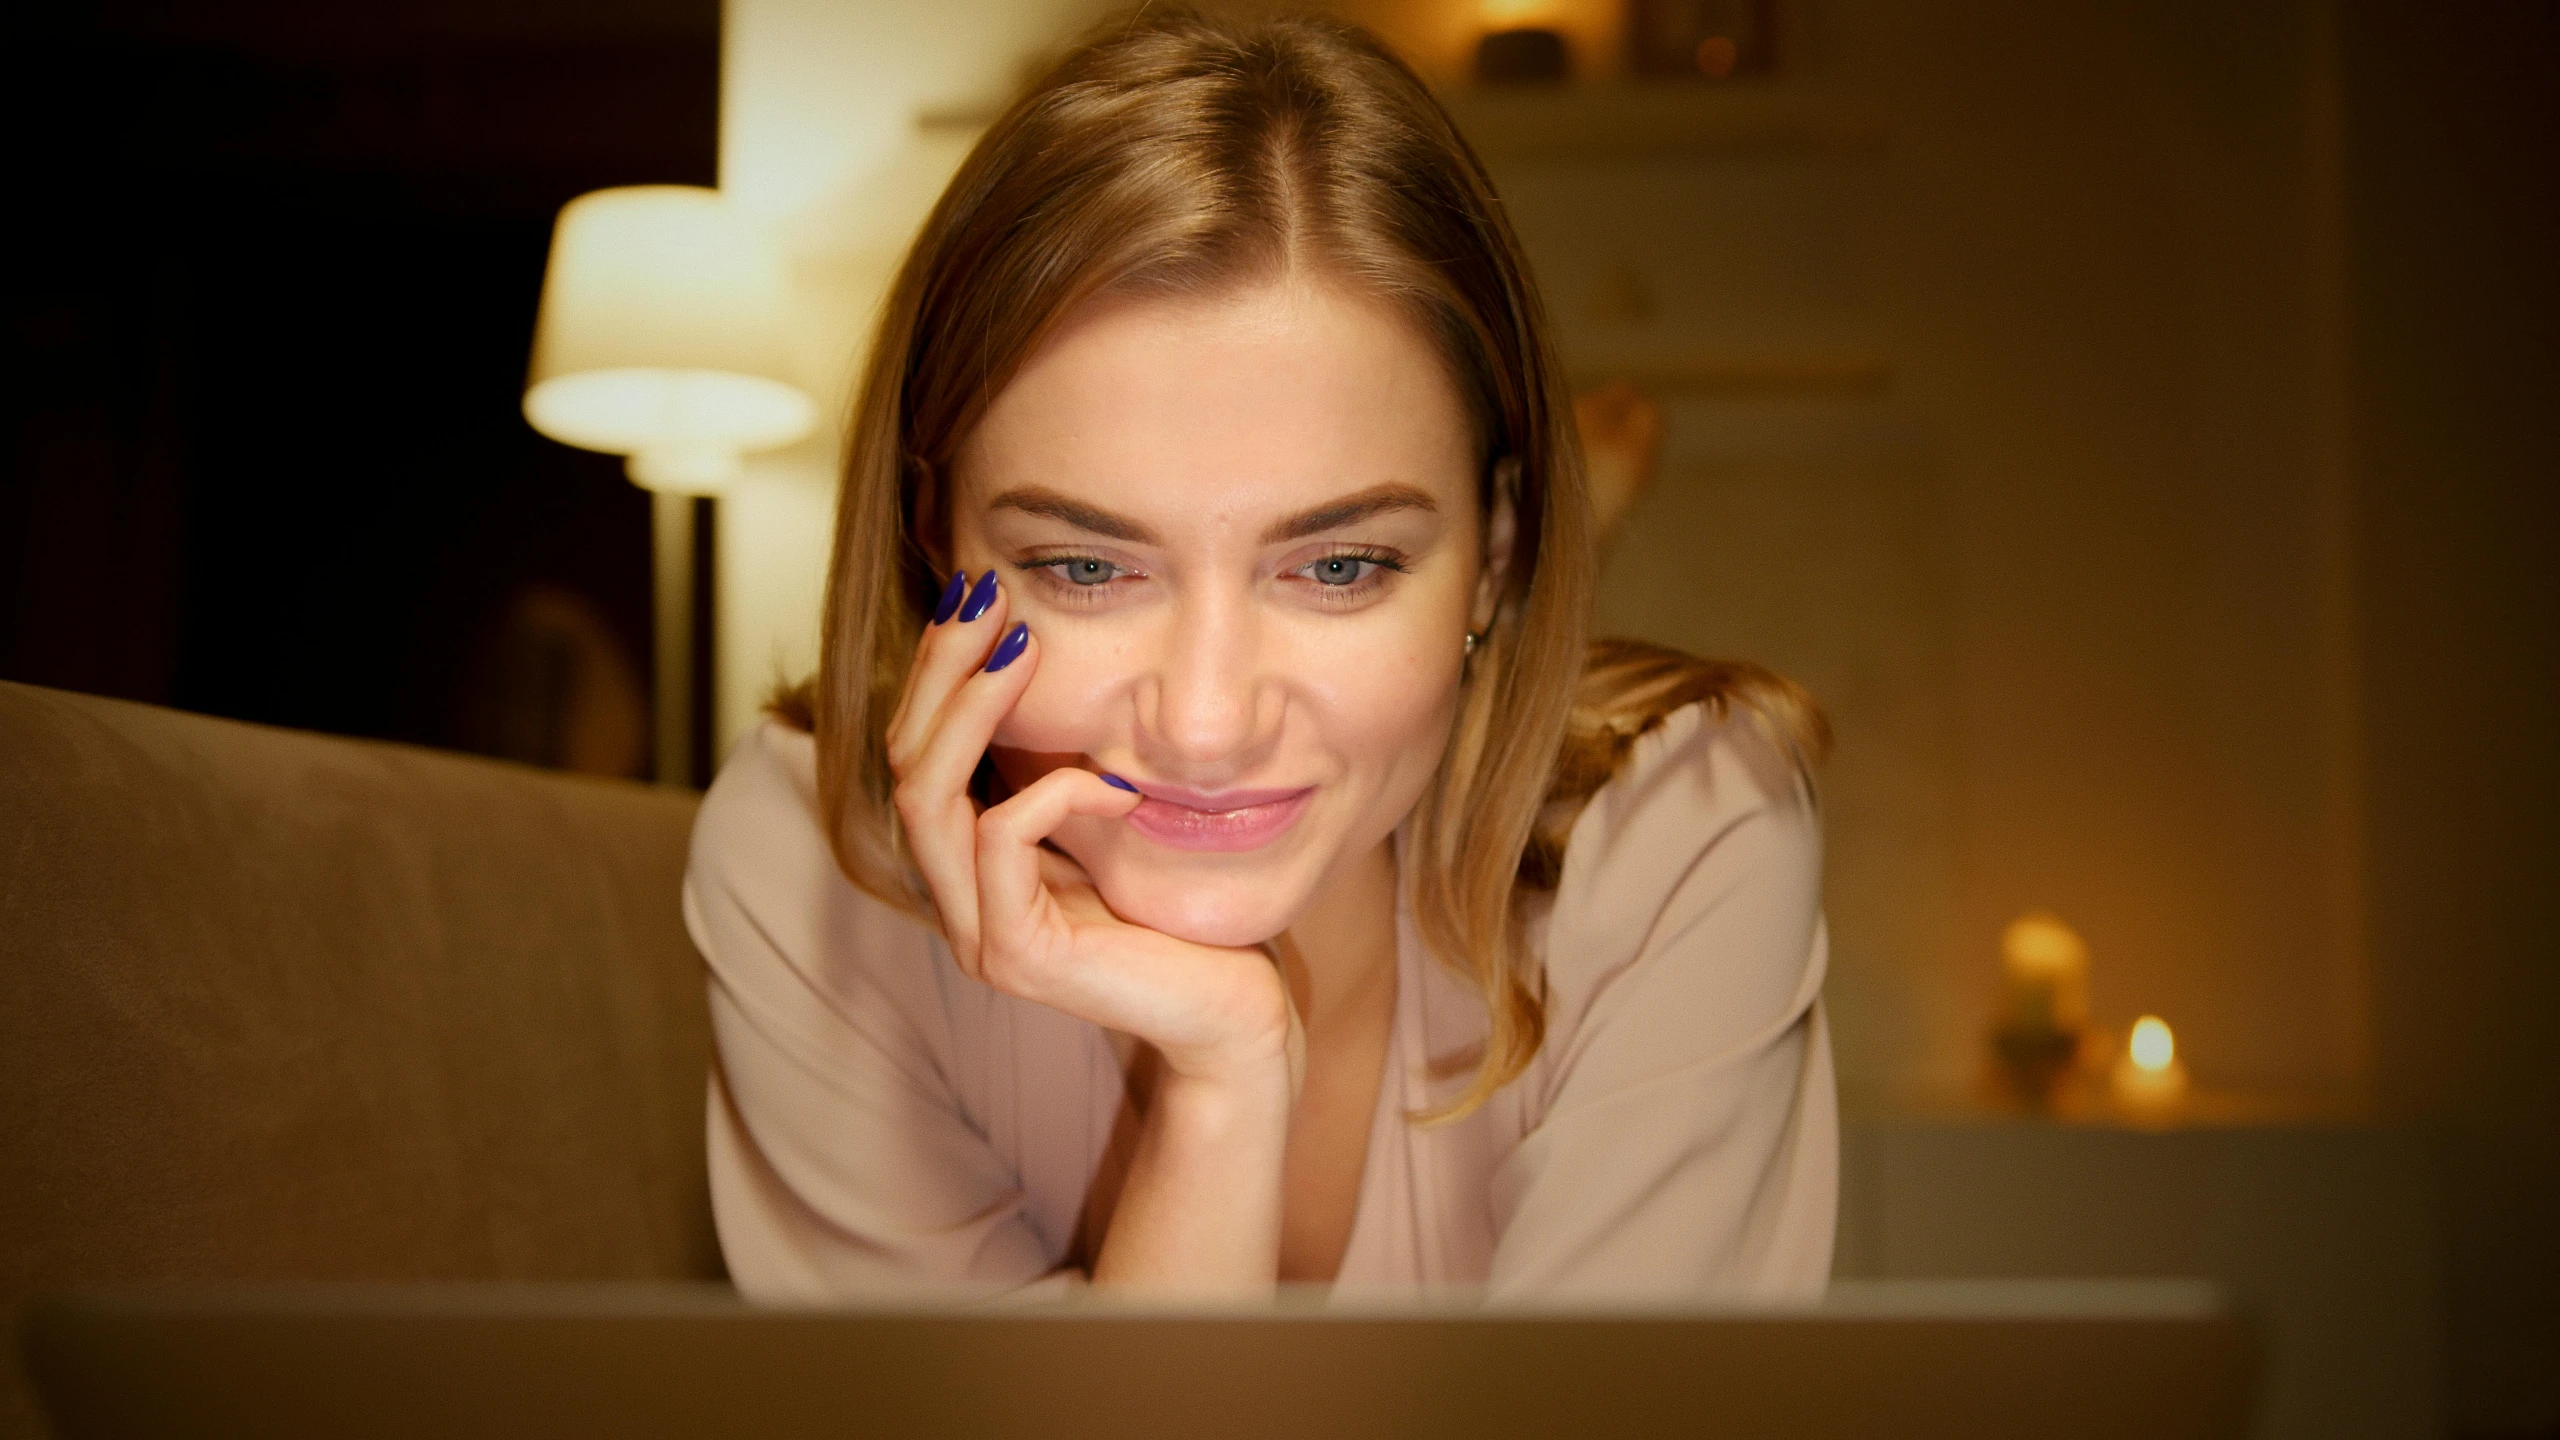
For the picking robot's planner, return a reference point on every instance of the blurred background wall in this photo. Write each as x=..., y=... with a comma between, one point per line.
x=274, y=267
x=2130, y=423
x=2454, y=226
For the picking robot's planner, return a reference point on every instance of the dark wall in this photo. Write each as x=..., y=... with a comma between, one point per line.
x=264, y=456
x=2452, y=115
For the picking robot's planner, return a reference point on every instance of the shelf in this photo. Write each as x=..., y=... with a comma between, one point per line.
x=1656, y=121
x=2207, y=1109
x=1826, y=376
x=1611, y=121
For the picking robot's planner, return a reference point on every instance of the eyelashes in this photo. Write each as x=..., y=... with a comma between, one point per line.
x=1341, y=575
x=1351, y=571
x=1074, y=579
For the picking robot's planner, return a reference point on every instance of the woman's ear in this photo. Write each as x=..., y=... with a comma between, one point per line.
x=1501, y=529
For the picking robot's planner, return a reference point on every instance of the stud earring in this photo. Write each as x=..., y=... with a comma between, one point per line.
x=1472, y=639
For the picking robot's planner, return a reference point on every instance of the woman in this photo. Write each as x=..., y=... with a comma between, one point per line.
x=1211, y=853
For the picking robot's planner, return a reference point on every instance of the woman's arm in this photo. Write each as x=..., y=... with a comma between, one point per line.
x=1200, y=1211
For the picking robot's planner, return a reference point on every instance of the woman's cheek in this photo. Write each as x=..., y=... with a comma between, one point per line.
x=1067, y=708
x=1386, y=700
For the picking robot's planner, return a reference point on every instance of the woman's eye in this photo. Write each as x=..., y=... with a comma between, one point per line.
x=1340, y=570
x=1087, y=572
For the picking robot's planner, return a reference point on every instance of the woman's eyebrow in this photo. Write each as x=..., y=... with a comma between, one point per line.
x=1350, y=510
x=1332, y=515
x=1039, y=500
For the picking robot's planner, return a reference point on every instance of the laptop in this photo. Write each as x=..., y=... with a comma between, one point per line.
x=1983, y=1360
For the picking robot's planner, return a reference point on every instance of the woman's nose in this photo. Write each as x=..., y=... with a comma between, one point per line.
x=1207, y=696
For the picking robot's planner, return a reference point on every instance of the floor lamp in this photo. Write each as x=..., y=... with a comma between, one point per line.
x=663, y=338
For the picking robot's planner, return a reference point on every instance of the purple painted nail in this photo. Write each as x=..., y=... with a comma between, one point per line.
x=1010, y=648
x=951, y=594
x=1116, y=783
x=979, y=599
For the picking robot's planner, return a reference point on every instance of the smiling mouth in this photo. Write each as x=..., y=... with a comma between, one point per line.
x=1237, y=820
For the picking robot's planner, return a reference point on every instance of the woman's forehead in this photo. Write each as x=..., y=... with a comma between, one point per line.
x=1271, y=399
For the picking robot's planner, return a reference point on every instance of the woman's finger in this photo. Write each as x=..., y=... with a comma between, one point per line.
x=947, y=757
x=939, y=749
x=953, y=591
x=946, y=656
x=1010, y=883
x=940, y=842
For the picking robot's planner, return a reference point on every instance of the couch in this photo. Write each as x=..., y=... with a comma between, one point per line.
x=286, y=1007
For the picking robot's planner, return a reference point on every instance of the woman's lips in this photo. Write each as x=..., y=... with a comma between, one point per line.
x=1233, y=820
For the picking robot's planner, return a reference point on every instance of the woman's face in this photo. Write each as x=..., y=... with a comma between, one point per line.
x=1245, y=529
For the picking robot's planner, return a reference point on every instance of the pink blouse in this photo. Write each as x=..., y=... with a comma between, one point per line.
x=880, y=1122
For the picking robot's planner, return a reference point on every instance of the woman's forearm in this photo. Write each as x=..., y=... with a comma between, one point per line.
x=1199, y=1214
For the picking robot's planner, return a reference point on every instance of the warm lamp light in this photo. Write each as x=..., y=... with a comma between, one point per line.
x=663, y=337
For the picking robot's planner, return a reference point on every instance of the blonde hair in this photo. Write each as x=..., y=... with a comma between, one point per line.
x=1174, y=154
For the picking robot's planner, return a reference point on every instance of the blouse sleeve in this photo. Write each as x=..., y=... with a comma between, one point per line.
x=1689, y=1136
x=842, y=1162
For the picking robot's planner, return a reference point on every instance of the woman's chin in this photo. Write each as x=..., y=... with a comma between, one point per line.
x=1235, y=913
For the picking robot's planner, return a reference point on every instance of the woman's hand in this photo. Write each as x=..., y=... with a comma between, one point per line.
x=1025, y=919
x=1198, y=1213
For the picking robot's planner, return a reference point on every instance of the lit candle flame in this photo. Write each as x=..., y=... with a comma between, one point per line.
x=2152, y=1046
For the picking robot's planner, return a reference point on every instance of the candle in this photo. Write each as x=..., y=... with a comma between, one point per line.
x=2044, y=1008
x=2046, y=965
x=2149, y=1082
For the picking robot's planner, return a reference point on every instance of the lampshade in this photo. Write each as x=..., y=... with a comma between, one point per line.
x=661, y=337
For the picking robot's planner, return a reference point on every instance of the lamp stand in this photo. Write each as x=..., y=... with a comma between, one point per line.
x=671, y=555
